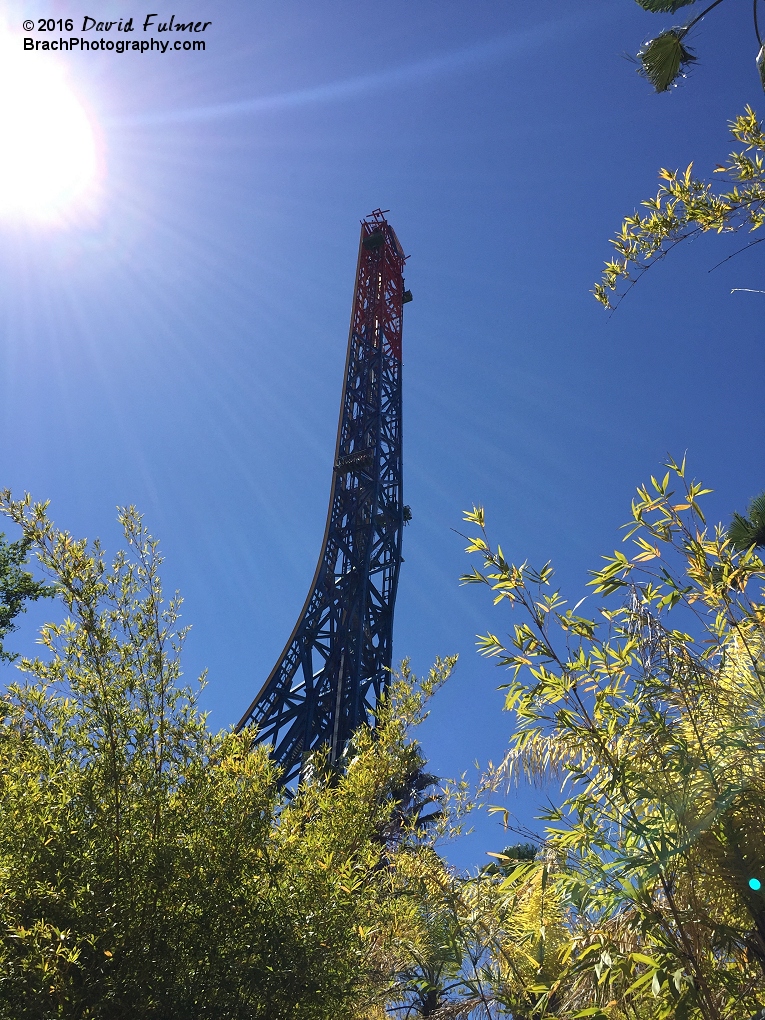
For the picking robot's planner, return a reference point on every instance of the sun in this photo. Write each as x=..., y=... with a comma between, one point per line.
x=48, y=153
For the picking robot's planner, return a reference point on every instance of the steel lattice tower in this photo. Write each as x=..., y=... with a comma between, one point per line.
x=334, y=667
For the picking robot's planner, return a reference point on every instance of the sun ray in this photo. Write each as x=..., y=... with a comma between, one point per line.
x=48, y=151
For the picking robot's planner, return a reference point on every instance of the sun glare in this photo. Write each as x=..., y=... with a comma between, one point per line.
x=48, y=158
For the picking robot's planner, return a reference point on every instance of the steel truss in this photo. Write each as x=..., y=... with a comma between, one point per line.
x=335, y=666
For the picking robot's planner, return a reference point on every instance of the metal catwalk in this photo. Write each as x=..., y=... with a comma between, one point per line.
x=335, y=665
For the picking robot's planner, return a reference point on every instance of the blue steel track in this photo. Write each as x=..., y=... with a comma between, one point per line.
x=336, y=663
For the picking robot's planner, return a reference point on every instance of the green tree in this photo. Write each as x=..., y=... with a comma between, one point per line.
x=17, y=586
x=686, y=206
x=651, y=710
x=151, y=868
x=750, y=530
x=430, y=978
x=517, y=939
x=667, y=57
x=490, y=945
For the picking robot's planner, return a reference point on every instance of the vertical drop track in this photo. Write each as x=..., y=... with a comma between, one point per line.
x=334, y=668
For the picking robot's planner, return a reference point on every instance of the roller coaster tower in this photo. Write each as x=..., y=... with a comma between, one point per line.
x=335, y=665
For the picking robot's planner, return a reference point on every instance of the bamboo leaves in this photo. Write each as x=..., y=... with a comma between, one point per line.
x=657, y=733
x=150, y=867
x=686, y=206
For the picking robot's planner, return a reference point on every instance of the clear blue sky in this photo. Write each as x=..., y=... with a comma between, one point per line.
x=180, y=345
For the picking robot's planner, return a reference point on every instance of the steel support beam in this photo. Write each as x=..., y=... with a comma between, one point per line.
x=335, y=665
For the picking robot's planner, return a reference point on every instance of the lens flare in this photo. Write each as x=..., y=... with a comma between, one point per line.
x=48, y=158
x=755, y=883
